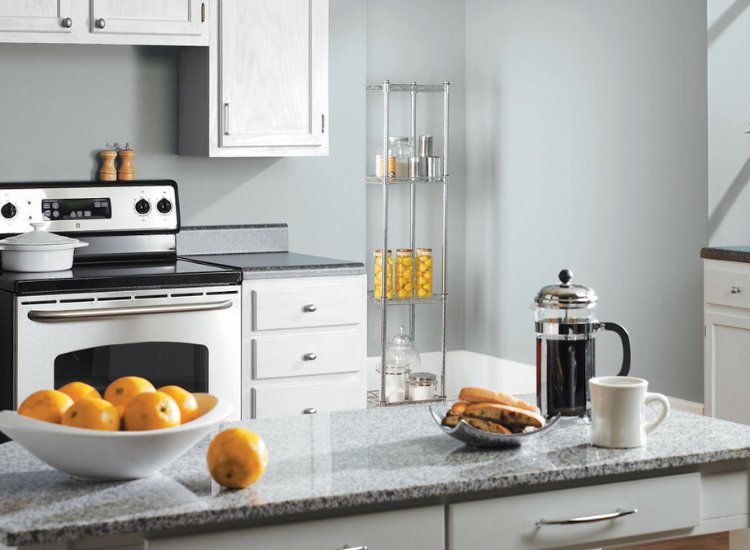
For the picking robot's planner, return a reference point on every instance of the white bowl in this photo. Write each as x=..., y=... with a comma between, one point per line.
x=101, y=455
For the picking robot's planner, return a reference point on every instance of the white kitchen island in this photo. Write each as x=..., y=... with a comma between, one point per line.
x=390, y=478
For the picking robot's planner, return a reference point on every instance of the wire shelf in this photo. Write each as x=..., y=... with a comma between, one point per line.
x=378, y=180
x=414, y=300
x=423, y=88
x=373, y=400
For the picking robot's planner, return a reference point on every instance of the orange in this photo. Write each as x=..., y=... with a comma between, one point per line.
x=47, y=405
x=79, y=390
x=92, y=413
x=237, y=457
x=151, y=411
x=185, y=401
x=122, y=390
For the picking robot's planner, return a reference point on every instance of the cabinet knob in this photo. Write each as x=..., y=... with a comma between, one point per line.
x=310, y=410
x=309, y=308
x=735, y=289
x=100, y=23
x=310, y=356
x=67, y=22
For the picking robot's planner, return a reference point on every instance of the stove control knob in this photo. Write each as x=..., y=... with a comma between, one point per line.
x=143, y=207
x=164, y=206
x=8, y=211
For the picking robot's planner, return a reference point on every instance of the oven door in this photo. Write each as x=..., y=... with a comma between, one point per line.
x=189, y=337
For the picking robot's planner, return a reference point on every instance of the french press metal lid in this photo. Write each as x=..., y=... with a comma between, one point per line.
x=566, y=295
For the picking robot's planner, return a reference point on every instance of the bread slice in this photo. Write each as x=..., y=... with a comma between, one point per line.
x=486, y=395
x=487, y=425
x=451, y=420
x=510, y=417
x=458, y=407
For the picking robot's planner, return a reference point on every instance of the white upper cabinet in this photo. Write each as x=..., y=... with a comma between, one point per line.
x=43, y=16
x=147, y=22
x=180, y=17
x=267, y=69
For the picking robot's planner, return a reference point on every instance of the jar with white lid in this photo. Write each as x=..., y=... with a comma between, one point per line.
x=395, y=382
x=421, y=386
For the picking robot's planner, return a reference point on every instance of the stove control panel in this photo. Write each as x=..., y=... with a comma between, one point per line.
x=138, y=207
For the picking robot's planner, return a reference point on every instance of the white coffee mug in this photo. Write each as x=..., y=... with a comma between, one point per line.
x=617, y=411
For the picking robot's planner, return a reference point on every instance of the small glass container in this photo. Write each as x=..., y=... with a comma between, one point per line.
x=395, y=382
x=424, y=272
x=402, y=349
x=421, y=386
x=399, y=152
x=378, y=272
x=404, y=273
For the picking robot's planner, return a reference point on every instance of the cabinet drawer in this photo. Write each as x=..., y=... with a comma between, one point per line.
x=308, y=306
x=662, y=504
x=416, y=529
x=293, y=400
x=306, y=354
x=726, y=288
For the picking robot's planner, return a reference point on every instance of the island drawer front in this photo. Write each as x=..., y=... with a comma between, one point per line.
x=306, y=354
x=384, y=530
x=663, y=504
x=726, y=288
x=293, y=400
x=314, y=305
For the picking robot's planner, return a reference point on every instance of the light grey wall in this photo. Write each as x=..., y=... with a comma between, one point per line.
x=421, y=41
x=586, y=149
x=728, y=122
x=60, y=104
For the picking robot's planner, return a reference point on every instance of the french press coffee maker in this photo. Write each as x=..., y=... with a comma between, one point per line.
x=566, y=328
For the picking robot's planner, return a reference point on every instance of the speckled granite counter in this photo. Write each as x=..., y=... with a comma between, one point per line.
x=727, y=253
x=269, y=265
x=333, y=464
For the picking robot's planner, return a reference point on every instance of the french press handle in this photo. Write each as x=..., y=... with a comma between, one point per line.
x=625, y=338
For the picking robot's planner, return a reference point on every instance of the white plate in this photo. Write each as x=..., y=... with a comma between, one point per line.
x=102, y=455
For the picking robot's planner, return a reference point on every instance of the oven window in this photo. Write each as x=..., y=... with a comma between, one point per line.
x=162, y=363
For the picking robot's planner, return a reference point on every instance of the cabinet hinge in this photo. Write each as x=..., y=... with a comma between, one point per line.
x=203, y=12
x=323, y=124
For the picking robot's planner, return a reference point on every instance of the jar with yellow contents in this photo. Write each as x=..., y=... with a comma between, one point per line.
x=423, y=268
x=379, y=274
x=404, y=273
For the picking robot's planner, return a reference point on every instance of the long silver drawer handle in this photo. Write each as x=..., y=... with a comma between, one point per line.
x=735, y=289
x=80, y=314
x=354, y=548
x=588, y=519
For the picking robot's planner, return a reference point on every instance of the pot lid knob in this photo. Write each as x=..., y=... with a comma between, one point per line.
x=565, y=276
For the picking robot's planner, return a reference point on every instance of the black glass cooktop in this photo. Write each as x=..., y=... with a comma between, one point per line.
x=175, y=273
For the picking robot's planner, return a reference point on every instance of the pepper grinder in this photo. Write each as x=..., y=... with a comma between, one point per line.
x=108, y=171
x=127, y=170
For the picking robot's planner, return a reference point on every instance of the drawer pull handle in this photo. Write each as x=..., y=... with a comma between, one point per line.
x=588, y=519
x=310, y=356
x=309, y=308
x=310, y=410
x=354, y=548
x=67, y=22
x=735, y=289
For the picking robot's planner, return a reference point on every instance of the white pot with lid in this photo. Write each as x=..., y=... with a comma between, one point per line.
x=38, y=251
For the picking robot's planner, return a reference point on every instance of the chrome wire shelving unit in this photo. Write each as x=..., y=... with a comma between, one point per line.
x=414, y=89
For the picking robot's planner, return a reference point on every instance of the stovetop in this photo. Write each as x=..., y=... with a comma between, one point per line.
x=89, y=276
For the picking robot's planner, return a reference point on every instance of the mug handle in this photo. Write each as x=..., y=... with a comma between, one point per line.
x=654, y=398
x=625, y=338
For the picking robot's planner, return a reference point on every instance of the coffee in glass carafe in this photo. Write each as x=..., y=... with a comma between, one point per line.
x=566, y=327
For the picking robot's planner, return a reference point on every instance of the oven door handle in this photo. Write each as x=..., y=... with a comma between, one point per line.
x=103, y=313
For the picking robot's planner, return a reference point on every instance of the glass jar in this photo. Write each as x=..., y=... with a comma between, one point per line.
x=421, y=386
x=424, y=272
x=378, y=272
x=395, y=382
x=399, y=152
x=404, y=273
x=402, y=349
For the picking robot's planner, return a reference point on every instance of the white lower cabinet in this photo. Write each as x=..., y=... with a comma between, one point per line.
x=726, y=361
x=661, y=505
x=304, y=345
x=414, y=529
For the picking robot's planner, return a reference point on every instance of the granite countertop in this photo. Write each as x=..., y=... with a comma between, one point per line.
x=727, y=253
x=338, y=463
x=281, y=264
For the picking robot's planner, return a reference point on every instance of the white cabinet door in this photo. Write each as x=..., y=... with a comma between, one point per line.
x=274, y=76
x=175, y=17
x=727, y=360
x=415, y=529
x=36, y=16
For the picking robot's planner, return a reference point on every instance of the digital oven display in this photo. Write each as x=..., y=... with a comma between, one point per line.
x=75, y=209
